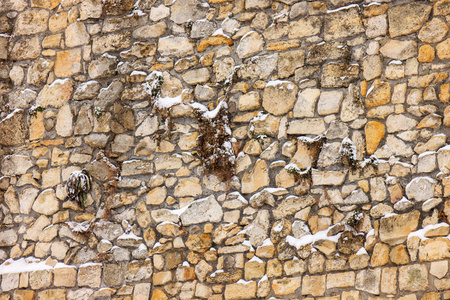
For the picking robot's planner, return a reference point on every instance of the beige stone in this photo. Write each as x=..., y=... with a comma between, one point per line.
x=76, y=34
x=342, y=23
x=65, y=277
x=31, y=22
x=177, y=46
x=400, y=50
x=426, y=54
x=55, y=94
x=380, y=255
x=237, y=291
x=434, y=249
x=395, y=229
x=308, y=26
x=340, y=280
x=313, y=285
x=413, y=278
x=389, y=280
x=279, y=97
x=379, y=94
x=255, y=179
x=286, y=286
x=408, y=18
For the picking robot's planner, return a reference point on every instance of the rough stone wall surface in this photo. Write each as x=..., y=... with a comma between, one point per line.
x=237, y=149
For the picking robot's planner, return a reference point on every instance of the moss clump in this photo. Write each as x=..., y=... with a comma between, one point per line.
x=214, y=142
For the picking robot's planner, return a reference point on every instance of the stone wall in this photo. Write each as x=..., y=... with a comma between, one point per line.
x=237, y=149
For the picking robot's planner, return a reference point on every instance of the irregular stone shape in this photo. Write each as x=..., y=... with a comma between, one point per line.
x=31, y=22
x=4, y=41
x=117, y=7
x=279, y=97
x=372, y=67
x=107, y=230
x=413, y=278
x=8, y=238
x=16, y=164
x=350, y=243
x=46, y=203
x=102, y=67
x=258, y=230
x=26, y=48
x=338, y=75
x=150, y=31
x=434, y=249
x=76, y=34
x=314, y=285
x=188, y=187
x=408, y=18
x=356, y=197
x=288, y=62
x=322, y=52
x=262, y=68
x=421, y=188
x=140, y=50
x=38, y=71
x=202, y=210
x=375, y=132
x=183, y=11
x=308, y=26
x=399, y=122
x=342, y=23
x=306, y=126
x=64, y=121
x=395, y=228
x=235, y=291
x=87, y=90
x=378, y=94
x=136, y=167
x=291, y=205
x=400, y=50
x=328, y=177
x=306, y=103
x=55, y=94
x=114, y=274
x=268, y=125
x=369, y=281
x=68, y=63
x=443, y=52
x=255, y=179
x=13, y=130
x=433, y=32
x=196, y=76
x=214, y=40
x=202, y=29
x=250, y=44
x=111, y=42
x=84, y=122
x=352, y=105
x=48, y=4
x=176, y=46
x=199, y=242
x=286, y=286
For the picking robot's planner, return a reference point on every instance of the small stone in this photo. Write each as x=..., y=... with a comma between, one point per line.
x=421, y=188
x=372, y=67
x=380, y=255
x=13, y=130
x=237, y=291
x=426, y=54
x=374, y=132
x=46, y=203
x=215, y=40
